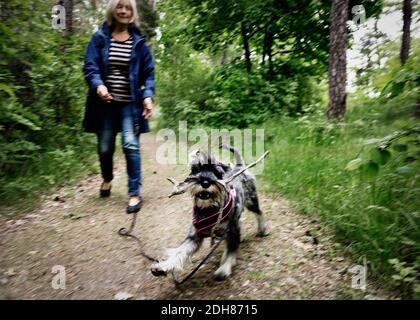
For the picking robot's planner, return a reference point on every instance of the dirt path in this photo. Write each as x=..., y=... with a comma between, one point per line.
x=76, y=229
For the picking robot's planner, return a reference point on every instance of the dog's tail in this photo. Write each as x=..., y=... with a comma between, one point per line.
x=238, y=159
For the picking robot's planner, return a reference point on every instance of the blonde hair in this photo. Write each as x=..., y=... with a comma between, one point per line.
x=112, y=5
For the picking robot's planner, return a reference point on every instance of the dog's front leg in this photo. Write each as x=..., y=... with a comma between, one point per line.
x=229, y=256
x=178, y=256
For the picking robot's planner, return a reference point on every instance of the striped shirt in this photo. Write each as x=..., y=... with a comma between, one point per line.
x=118, y=82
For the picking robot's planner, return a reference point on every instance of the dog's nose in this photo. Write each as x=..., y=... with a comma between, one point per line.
x=205, y=184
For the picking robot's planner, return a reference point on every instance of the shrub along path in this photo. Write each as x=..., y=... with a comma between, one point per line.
x=76, y=229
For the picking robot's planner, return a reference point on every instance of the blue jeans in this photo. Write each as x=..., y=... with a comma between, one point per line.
x=120, y=115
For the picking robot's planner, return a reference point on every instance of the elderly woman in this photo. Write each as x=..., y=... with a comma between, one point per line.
x=119, y=71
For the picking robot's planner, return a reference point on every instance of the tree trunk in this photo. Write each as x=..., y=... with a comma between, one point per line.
x=405, y=46
x=63, y=105
x=337, y=60
x=269, y=49
x=68, y=6
x=268, y=52
x=245, y=39
x=148, y=18
x=264, y=53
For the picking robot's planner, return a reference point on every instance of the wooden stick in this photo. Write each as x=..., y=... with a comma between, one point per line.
x=247, y=167
x=179, y=187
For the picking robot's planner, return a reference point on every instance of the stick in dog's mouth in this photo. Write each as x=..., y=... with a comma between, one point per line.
x=182, y=187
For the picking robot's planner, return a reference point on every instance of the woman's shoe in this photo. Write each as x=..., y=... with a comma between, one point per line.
x=135, y=207
x=104, y=193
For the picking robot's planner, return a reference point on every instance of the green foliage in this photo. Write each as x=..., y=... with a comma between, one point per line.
x=148, y=19
x=230, y=97
x=238, y=99
x=406, y=277
x=42, y=94
x=182, y=97
x=371, y=201
x=399, y=144
x=401, y=81
x=213, y=86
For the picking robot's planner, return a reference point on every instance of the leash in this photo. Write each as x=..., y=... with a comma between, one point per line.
x=211, y=222
x=214, y=245
x=175, y=277
x=127, y=233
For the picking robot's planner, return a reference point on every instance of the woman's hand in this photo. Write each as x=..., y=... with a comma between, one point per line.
x=103, y=93
x=147, y=108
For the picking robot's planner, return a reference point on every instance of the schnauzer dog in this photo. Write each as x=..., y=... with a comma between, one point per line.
x=220, y=193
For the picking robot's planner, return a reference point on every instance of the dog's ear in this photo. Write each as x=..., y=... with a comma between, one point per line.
x=193, y=157
x=225, y=167
x=219, y=171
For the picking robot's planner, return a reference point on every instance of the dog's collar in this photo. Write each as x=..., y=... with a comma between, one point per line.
x=203, y=226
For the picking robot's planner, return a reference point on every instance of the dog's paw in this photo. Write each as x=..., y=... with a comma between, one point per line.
x=221, y=275
x=157, y=271
x=263, y=233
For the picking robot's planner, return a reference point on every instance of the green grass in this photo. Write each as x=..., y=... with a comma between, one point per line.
x=44, y=173
x=376, y=216
x=255, y=276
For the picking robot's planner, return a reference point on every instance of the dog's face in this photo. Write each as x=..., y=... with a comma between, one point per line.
x=207, y=174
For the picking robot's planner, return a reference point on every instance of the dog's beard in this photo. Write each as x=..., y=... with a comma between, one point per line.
x=212, y=196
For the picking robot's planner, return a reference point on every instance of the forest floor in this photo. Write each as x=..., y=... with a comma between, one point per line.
x=76, y=229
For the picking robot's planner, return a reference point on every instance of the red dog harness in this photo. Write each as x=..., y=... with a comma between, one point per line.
x=204, y=226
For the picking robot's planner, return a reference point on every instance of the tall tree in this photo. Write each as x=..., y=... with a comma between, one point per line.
x=68, y=6
x=337, y=60
x=245, y=40
x=62, y=107
x=148, y=18
x=405, y=46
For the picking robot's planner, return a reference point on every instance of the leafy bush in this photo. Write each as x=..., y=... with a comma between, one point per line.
x=364, y=186
x=399, y=87
x=233, y=98
x=42, y=94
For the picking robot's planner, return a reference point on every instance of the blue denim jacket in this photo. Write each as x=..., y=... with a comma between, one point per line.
x=95, y=69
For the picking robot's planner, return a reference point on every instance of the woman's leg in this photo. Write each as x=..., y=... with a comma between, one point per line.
x=106, y=142
x=131, y=148
x=106, y=148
